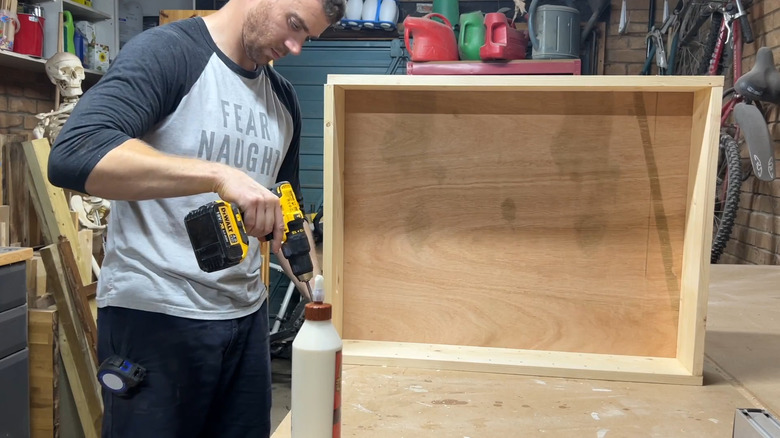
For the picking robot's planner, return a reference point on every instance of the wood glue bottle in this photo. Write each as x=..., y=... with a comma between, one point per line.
x=316, y=372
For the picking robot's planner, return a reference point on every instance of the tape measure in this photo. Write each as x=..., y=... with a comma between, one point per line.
x=119, y=375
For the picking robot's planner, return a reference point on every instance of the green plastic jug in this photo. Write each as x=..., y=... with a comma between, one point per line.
x=448, y=8
x=68, y=29
x=472, y=35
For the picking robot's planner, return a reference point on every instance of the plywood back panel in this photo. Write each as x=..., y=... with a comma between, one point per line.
x=526, y=220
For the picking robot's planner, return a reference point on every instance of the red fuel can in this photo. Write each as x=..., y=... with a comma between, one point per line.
x=429, y=40
x=502, y=40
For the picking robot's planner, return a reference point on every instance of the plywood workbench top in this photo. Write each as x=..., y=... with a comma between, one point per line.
x=742, y=350
x=11, y=254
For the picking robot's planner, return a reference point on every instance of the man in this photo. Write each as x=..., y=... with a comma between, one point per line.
x=190, y=113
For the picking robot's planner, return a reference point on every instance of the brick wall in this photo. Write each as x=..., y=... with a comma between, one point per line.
x=625, y=54
x=756, y=235
x=22, y=95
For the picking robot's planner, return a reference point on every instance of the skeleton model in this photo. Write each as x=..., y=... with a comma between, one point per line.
x=66, y=72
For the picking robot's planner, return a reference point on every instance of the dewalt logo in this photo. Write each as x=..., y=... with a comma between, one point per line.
x=228, y=223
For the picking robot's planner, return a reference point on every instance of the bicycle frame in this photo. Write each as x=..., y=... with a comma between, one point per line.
x=720, y=47
x=759, y=144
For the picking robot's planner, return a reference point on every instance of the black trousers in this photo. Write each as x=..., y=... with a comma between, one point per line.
x=204, y=378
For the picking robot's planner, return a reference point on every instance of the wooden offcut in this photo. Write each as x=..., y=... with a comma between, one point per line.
x=23, y=226
x=44, y=373
x=171, y=15
x=534, y=225
x=5, y=220
x=80, y=295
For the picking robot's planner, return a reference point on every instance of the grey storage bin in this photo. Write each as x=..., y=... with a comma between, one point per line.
x=13, y=286
x=13, y=331
x=15, y=396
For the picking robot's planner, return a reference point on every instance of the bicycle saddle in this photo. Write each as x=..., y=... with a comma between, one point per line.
x=762, y=82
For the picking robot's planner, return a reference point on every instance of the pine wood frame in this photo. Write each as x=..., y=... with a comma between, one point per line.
x=344, y=100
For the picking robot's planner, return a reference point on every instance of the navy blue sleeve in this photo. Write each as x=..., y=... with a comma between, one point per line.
x=289, y=170
x=144, y=84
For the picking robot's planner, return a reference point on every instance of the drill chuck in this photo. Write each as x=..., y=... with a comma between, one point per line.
x=296, y=250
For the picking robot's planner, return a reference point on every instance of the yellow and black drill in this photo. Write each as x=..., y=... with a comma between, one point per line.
x=219, y=239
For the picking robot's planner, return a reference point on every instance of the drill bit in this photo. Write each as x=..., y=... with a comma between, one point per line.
x=308, y=287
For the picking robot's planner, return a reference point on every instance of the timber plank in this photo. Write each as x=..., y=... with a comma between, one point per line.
x=80, y=363
x=52, y=206
x=79, y=295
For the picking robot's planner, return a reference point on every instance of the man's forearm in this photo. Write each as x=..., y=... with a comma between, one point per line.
x=136, y=171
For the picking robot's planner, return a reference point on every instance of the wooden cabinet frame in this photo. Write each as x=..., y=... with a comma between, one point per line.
x=541, y=225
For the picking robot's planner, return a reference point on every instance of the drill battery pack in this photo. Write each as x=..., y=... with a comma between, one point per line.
x=217, y=235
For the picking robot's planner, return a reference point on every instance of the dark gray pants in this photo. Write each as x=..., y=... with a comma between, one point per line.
x=204, y=378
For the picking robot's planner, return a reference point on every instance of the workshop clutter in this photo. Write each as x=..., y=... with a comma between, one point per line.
x=432, y=40
x=9, y=24
x=490, y=36
x=95, y=56
x=370, y=14
x=21, y=27
x=554, y=30
x=29, y=38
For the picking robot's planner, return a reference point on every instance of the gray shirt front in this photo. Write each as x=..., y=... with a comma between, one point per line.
x=173, y=88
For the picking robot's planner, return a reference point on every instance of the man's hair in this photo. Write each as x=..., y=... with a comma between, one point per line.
x=334, y=10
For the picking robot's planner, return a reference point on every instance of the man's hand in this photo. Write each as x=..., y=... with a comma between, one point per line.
x=260, y=208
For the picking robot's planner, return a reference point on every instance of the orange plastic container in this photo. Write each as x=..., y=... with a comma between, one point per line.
x=502, y=40
x=430, y=40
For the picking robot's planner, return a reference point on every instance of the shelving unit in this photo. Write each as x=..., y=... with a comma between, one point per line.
x=102, y=14
x=81, y=12
x=30, y=63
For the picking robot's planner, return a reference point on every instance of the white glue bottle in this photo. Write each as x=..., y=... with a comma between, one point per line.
x=316, y=372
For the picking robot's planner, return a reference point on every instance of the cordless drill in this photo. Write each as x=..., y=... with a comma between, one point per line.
x=219, y=239
x=295, y=243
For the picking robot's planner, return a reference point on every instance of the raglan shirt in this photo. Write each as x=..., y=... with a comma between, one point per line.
x=174, y=89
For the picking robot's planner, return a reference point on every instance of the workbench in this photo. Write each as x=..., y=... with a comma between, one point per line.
x=740, y=371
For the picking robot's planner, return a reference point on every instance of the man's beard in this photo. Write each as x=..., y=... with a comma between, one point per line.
x=253, y=37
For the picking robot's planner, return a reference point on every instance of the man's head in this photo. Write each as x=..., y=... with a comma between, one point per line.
x=275, y=28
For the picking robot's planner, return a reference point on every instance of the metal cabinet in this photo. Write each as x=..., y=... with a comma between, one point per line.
x=14, y=374
x=308, y=72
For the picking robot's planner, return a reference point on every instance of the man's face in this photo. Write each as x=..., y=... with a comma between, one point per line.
x=274, y=28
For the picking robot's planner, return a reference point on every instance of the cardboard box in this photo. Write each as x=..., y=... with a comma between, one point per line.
x=88, y=29
x=98, y=57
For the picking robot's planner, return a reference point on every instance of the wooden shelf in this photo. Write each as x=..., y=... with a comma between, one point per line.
x=30, y=63
x=81, y=12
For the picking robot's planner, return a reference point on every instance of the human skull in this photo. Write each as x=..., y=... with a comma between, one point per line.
x=66, y=72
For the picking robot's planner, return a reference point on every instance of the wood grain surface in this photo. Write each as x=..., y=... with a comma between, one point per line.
x=550, y=221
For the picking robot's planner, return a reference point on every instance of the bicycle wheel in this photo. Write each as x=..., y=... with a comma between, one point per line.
x=729, y=180
x=698, y=35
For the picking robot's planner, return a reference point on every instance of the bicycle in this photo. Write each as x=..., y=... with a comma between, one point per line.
x=725, y=26
x=286, y=321
x=656, y=50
